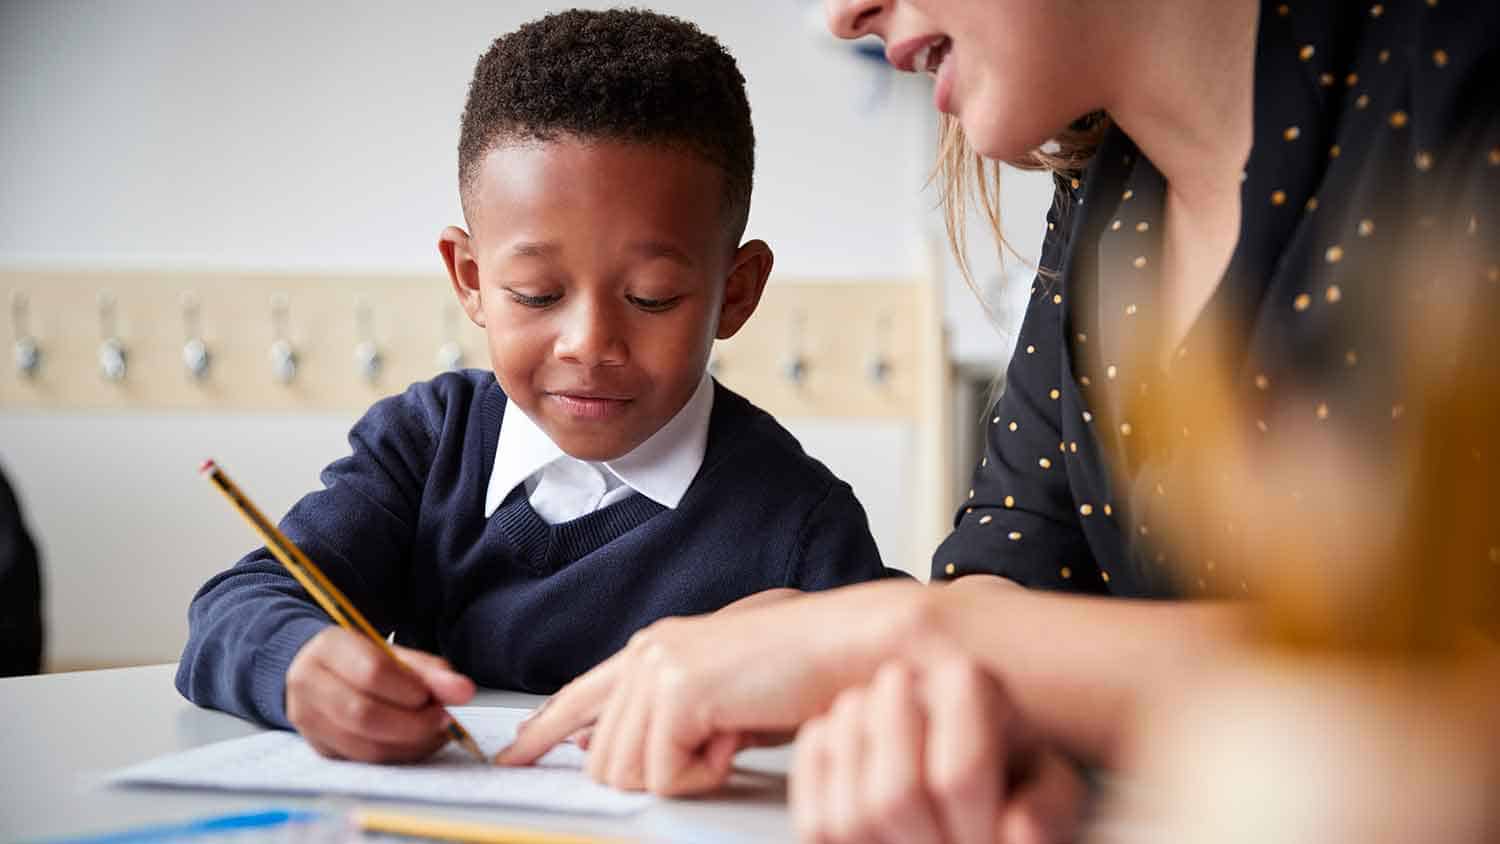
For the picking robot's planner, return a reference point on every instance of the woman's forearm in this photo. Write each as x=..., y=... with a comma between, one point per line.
x=1078, y=665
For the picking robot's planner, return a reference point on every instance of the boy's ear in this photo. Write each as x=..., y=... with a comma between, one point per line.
x=747, y=280
x=463, y=271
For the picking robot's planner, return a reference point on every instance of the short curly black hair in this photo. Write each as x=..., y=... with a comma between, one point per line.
x=624, y=75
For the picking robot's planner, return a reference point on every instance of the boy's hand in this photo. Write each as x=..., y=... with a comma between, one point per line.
x=352, y=701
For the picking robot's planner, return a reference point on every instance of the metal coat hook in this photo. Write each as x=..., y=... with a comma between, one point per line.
x=879, y=367
x=367, y=357
x=195, y=355
x=795, y=367
x=28, y=351
x=450, y=355
x=113, y=356
x=283, y=353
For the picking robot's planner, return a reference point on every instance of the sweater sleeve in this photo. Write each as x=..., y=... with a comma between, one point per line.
x=835, y=547
x=246, y=624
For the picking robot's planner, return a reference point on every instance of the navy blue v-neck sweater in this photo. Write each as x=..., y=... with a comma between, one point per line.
x=511, y=601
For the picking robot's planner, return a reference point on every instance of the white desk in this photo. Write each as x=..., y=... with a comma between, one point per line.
x=60, y=732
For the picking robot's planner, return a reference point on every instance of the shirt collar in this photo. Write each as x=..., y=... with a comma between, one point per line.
x=661, y=468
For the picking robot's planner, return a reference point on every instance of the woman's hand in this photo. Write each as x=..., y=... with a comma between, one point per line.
x=930, y=753
x=350, y=700
x=671, y=709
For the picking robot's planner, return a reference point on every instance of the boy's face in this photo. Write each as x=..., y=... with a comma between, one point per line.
x=602, y=273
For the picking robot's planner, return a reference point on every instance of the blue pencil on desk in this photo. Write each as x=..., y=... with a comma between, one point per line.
x=318, y=585
x=215, y=827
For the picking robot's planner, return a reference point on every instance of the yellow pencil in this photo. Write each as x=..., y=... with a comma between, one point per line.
x=320, y=587
x=417, y=826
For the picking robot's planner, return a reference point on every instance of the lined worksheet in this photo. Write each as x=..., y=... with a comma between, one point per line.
x=282, y=763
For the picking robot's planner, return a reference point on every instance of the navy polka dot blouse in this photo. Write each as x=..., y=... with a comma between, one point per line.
x=1376, y=142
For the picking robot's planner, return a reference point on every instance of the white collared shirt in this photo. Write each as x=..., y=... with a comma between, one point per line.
x=562, y=488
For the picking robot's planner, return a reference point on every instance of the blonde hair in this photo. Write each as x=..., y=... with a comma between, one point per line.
x=964, y=176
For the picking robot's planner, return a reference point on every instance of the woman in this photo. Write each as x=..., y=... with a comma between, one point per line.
x=1252, y=165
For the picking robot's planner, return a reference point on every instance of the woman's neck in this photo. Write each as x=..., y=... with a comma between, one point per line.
x=1182, y=87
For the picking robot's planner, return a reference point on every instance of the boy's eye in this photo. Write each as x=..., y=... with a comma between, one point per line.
x=654, y=304
x=533, y=301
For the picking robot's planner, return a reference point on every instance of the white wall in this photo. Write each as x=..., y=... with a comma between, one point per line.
x=284, y=135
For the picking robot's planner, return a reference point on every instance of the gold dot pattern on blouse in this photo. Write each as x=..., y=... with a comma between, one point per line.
x=1351, y=80
x=971, y=493
x=1384, y=56
x=1108, y=510
x=1127, y=194
x=1278, y=197
x=1325, y=79
x=1010, y=502
x=1333, y=254
x=1302, y=302
x=1334, y=294
x=1423, y=161
x=1495, y=157
x=1351, y=358
x=1013, y=426
x=1111, y=371
x=1362, y=101
x=984, y=520
x=1066, y=573
x=1045, y=463
x=1262, y=382
x=1125, y=429
x=1311, y=204
x=1088, y=417
x=1104, y=575
x=1307, y=52
x=1322, y=411
x=1139, y=262
x=1057, y=298
x=1014, y=536
x=1292, y=133
x=1366, y=228
x=1114, y=226
x=1054, y=394
x=1440, y=58
x=1086, y=510
x=949, y=569
x=1377, y=10
x=1398, y=119
x=1334, y=151
x=1030, y=350
x=1130, y=310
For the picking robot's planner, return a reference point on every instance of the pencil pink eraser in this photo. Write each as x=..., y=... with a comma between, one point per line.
x=208, y=466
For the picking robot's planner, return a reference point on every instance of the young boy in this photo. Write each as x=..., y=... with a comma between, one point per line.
x=523, y=524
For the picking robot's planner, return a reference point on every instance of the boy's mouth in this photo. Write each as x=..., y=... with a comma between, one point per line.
x=590, y=405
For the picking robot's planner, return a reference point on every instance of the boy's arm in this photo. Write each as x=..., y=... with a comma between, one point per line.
x=246, y=624
x=834, y=546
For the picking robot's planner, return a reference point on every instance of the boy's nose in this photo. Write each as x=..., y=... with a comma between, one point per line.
x=855, y=18
x=591, y=336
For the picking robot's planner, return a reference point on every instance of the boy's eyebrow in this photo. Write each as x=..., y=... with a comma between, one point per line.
x=535, y=249
x=661, y=249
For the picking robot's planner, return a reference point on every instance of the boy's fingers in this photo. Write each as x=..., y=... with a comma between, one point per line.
x=448, y=686
x=576, y=706
x=326, y=702
x=363, y=665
